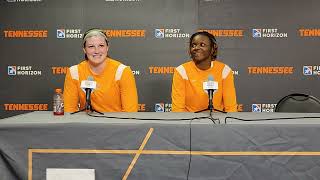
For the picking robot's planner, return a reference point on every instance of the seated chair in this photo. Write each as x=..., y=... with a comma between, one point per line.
x=299, y=103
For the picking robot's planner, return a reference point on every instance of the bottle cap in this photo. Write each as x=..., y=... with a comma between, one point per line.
x=58, y=90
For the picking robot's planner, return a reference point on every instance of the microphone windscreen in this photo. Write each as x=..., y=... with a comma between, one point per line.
x=90, y=78
x=210, y=84
x=89, y=83
x=210, y=78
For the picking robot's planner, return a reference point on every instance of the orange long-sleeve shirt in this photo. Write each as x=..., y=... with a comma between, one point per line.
x=116, y=88
x=188, y=93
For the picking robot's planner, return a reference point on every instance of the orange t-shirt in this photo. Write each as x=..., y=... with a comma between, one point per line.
x=116, y=88
x=188, y=94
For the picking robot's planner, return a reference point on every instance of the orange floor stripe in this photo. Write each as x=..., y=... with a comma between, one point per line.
x=133, y=162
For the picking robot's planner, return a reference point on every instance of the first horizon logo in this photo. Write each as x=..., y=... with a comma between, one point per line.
x=311, y=70
x=159, y=33
x=263, y=107
x=268, y=33
x=256, y=107
x=162, y=107
x=12, y=70
x=170, y=33
x=61, y=33
x=69, y=34
x=23, y=70
x=256, y=33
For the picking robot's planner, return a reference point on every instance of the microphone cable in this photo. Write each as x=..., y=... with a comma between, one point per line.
x=149, y=119
x=190, y=144
x=271, y=119
x=214, y=119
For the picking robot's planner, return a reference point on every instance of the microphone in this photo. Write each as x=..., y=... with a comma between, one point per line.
x=210, y=86
x=88, y=86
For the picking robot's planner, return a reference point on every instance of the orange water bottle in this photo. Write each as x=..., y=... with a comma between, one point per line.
x=58, y=108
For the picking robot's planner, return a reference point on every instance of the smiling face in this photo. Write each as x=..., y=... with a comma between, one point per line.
x=201, y=49
x=96, y=49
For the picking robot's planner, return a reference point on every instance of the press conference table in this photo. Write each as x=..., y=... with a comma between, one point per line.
x=266, y=146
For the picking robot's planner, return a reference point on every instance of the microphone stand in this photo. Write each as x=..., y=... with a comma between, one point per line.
x=210, y=105
x=88, y=107
x=210, y=108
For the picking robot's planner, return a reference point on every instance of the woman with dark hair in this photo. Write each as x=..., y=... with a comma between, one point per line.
x=116, y=88
x=188, y=94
